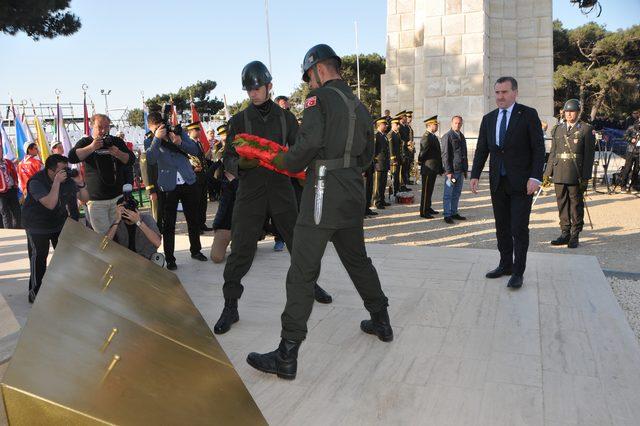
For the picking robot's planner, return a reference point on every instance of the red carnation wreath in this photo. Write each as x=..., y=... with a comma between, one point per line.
x=256, y=148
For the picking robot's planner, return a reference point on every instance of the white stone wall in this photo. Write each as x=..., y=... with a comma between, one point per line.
x=443, y=57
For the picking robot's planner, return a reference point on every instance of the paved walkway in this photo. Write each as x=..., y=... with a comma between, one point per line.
x=467, y=350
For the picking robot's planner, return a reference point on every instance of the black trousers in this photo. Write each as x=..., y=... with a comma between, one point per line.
x=38, y=249
x=571, y=208
x=511, y=211
x=428, y=183
x=630, y=169
x=395, y=173
x=368, y=187
x=406, y=171
x=202, y=203
x=309, y=244
x=10, y=209
x=380, y=185
x=249, y=215
x=189, y=197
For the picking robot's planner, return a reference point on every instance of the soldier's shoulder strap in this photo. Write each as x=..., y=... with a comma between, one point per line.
x=247, y=123
x=351, y=104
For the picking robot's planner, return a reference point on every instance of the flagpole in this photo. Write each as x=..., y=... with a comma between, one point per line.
x=357, y=59
x=266, y=15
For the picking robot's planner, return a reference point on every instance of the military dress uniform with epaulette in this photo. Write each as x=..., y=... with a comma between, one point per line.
x=395, y=149
x=150, y=176
x=381, y=164
x=570, y=164
x=430, y=159
x=405, y=136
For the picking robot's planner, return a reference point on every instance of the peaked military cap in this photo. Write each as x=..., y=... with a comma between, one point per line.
x=193, y=126
x=222, y=129
x=379, y=120
x=431, y=120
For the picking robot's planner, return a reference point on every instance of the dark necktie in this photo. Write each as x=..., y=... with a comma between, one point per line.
x=503, y=132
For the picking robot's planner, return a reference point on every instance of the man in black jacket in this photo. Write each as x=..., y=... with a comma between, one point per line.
x=395, y=149
x=381, y=163
x=430, y=159
x=455, y=164
x=512, y=134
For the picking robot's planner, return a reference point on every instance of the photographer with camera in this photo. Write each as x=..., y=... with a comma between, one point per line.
x=132, y=229
x=629, y=173
x=170, y=150
x=108, y=165
x=45, y=210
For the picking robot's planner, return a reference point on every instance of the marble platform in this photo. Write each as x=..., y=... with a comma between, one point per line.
x=467, y=350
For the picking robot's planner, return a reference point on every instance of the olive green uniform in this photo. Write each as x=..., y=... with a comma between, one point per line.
x=323, y=136
x=261, y=192
x=570, y=163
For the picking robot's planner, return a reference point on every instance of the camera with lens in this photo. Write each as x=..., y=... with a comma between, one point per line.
x=166, y=117
x=107, y=141
x=129, y=202
x=71, y=173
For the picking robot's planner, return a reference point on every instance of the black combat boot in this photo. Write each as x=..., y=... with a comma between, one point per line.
x=379, y=325
x=561, y=240
x=320, y=295
x=282, y=362
x=228, y=317
x=573, y=241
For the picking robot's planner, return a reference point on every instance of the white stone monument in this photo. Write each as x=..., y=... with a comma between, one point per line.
x=443, y=57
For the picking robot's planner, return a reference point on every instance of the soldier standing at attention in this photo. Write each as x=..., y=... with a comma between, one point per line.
x=261, y=192
x=335, y=144
x=430, y=159
x=381, y=163
x=570, y=165
x=395, y=148
x=411, y=148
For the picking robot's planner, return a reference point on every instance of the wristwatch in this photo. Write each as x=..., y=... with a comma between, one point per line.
x=138, y=223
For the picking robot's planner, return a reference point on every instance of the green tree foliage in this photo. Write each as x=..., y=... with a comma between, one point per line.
x=135, y=117
x=238, y=106
x=199, y=92
x=599, y=67
x=371, y=67
x=38, y=18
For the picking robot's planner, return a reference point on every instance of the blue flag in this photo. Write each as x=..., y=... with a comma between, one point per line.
x=21, y=138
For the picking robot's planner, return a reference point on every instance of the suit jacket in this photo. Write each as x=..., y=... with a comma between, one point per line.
x=381, y=157
x=430, y=157
x=395, y=147
x=579, y=141
x=522, y=152
x=170, y=162
x=454, y=152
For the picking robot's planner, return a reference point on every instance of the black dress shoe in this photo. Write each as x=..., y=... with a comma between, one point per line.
x=378, y=325
x=370, y=212
x=386, y=204
x=432, y=211
x=206, y=228
x=426, y=216
x=458, y=217
x=449, y=220
x=228, y=317
x=32, y=296
x=561, y=240
x=380, y=206
x=282, y=362
x=320, y=295
x=515, y=281
x=199, y=256
x=498, y=272
x=171, y=265
x=573, y=242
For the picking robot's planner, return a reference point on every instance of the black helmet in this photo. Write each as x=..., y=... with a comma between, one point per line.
x=255, y=74
x=317, y=53
x=572, y=105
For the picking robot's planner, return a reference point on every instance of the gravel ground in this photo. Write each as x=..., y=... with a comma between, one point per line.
x=628, y=294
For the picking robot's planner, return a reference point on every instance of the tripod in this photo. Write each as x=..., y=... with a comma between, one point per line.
x=602, y=158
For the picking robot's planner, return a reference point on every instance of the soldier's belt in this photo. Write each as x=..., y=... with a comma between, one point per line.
x=337, y=163
x=566, y=156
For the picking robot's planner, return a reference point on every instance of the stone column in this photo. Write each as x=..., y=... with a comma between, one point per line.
x=443, y=57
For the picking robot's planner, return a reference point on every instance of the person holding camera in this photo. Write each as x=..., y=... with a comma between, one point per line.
x=45, y=210
x=108, y=165
x=629, y=173
x=134, y=230
x=170, y=150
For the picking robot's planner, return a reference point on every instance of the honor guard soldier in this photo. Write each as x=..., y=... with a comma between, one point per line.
x=335, y=144
x=407, y=151
x=199, y=163
x=411, y=147
x=381, y=162
x=430, y=159
x=570, y=166
x=395, y=149
x=261, y=192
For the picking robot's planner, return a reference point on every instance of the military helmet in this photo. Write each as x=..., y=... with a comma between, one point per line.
x=255, y=74
x=572, y=105
x=317, y=53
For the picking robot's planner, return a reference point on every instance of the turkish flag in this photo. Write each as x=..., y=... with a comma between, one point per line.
x=206, y=146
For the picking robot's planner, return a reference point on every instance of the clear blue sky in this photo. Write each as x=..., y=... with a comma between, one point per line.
x=127, y=47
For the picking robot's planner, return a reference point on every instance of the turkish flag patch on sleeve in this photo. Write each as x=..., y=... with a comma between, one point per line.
x=310, y=102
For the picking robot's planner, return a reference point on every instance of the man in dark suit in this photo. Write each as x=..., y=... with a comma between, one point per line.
x=381, y=163
x=512, y=134
x=430, y=159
